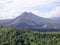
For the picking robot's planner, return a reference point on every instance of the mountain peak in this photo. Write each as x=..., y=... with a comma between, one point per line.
x=27, y=13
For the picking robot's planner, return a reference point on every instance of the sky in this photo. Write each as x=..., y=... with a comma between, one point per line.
x=43, y=8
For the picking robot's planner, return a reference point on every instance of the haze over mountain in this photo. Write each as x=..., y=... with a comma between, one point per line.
x=28, y=20
x=56, y=19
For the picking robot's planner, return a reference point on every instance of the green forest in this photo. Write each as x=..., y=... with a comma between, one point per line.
x=12, y=36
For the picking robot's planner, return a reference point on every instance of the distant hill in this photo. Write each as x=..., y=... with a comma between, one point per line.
x=56, y=19
x=2, y=22
x=30, y=20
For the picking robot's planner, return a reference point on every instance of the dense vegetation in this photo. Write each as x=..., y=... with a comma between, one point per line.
x=11, y=36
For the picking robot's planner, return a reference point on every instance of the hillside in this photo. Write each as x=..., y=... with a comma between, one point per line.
x=28, y=20
x=2, y=22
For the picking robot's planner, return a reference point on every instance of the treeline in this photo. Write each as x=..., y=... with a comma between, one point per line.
x=12, y=36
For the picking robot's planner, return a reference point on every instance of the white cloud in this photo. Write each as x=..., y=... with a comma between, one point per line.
x=51, y=14
x=36, y=13
x=12, y=8
x=54, y=13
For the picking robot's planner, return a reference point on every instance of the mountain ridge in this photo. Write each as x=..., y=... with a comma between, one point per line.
x=29, y=20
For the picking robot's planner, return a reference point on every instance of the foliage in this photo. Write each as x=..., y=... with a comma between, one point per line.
x=12, y=36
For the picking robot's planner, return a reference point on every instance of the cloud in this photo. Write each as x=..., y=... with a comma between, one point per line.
x=50, y=14
x=54, y=13
x=13, y=8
